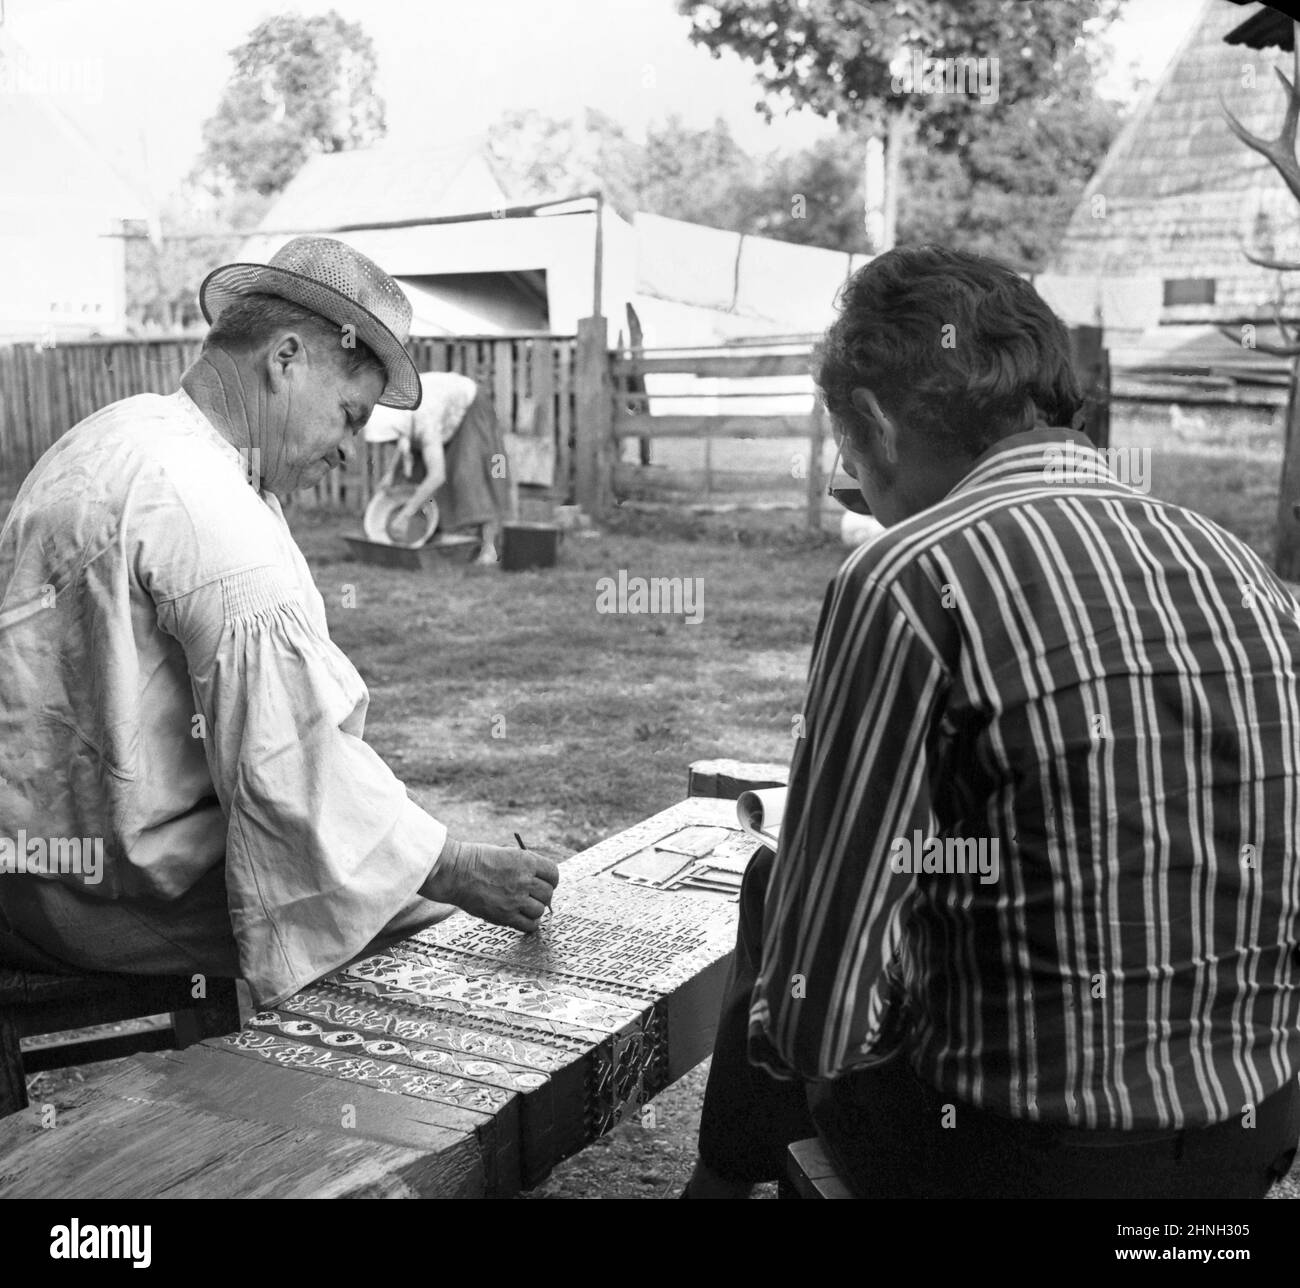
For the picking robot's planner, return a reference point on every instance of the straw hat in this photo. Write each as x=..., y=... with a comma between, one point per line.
x=342, y=286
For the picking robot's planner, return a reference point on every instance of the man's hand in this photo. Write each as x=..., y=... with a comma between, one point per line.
x=504, y=886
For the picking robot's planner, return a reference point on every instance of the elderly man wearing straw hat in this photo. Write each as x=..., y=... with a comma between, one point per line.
x=170, y=699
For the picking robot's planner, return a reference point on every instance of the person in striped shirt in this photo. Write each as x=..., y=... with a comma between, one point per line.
x=1033, y=925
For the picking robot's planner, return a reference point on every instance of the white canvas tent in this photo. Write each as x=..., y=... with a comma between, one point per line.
x=480, y=274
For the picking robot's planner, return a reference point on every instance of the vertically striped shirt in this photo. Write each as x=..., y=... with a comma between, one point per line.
x=1099, y=689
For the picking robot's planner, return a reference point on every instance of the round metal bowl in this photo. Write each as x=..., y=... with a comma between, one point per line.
x=379, y=521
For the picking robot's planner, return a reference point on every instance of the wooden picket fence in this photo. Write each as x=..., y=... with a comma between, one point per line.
x=756, y=389
x=567, y=401
x=750, y=407
x=44, y=391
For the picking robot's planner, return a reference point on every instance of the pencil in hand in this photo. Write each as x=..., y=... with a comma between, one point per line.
x=519, y=840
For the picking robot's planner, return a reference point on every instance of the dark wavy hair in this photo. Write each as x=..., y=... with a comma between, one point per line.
x=1004, y=366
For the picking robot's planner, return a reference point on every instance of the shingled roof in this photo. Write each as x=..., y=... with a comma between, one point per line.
x=1179, y=197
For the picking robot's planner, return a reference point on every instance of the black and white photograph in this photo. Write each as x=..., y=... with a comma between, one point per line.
x=651, y=600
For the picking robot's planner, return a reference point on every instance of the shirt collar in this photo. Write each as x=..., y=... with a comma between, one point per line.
x=1040, y=456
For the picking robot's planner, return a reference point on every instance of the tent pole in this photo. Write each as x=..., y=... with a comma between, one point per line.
x=600, y=255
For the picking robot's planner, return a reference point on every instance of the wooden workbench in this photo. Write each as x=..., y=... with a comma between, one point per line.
x=466, y=1061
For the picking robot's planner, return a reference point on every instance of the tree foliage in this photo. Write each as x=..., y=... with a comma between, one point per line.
x=704, y=176
x=540, y=157
x=701, y=175
x=300, y=85
x=838, y=57
x=815, y=196
x=162, y=276
x=995, y=175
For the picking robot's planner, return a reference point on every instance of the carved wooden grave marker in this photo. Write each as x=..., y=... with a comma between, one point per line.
x=467, y=1060
x=572, y=1028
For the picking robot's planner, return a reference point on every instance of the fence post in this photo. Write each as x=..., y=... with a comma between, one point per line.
x=1101, y=406
x=1092, y=366
x=816, y=484
x=1286, y=556
x=594, y=431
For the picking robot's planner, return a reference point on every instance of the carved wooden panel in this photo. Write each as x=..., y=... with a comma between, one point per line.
x=573, y=1027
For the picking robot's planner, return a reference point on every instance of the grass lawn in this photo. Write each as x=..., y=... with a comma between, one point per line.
x=507, y=703
x=1238, y=493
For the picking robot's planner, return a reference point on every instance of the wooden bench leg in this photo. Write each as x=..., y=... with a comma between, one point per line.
x=812, y=1173
x=209, y=1017
x=13, y=1083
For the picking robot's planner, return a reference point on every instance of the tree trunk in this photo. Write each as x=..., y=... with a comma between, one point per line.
x=895, y=142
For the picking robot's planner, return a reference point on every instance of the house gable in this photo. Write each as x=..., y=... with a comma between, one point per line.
x=1179, y=197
